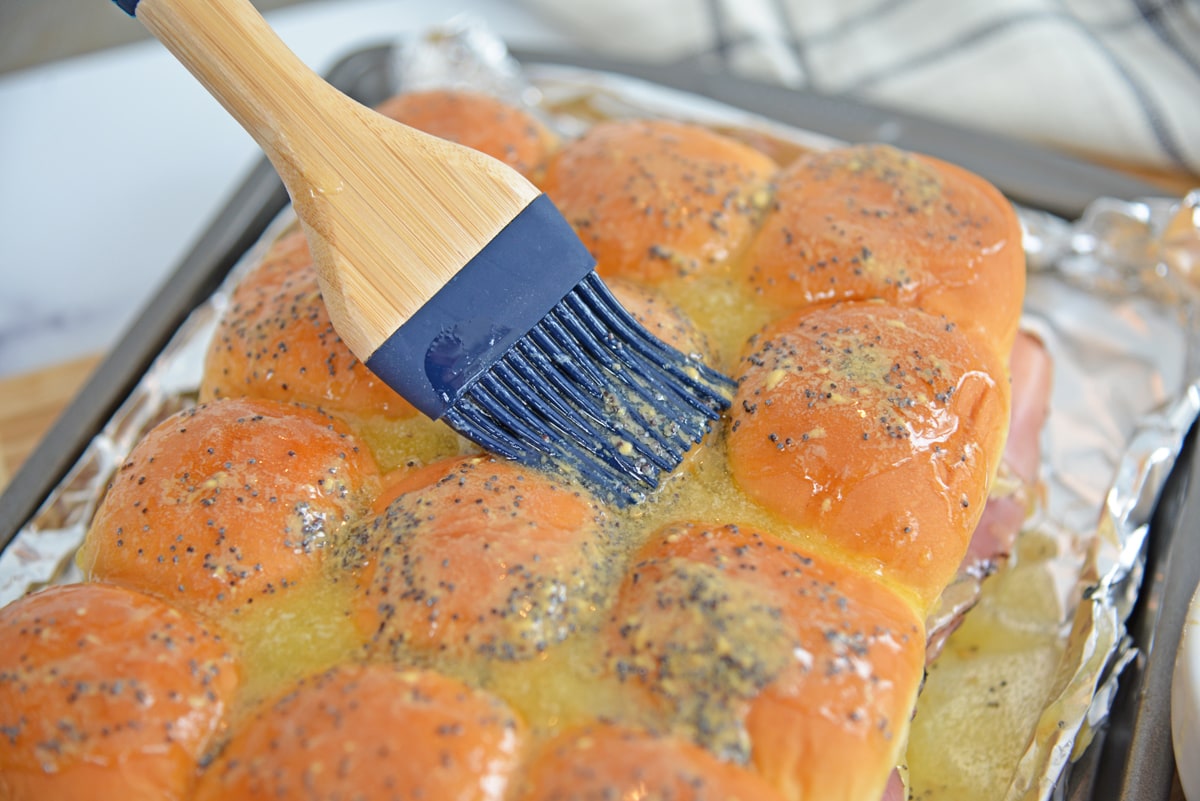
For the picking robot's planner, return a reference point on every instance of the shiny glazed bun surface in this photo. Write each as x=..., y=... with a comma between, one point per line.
x=405, y=616
x=481, y=559
x=770, y=656
x=228, y=502
x=871, y=221
x=107, y=693
x=879, y=426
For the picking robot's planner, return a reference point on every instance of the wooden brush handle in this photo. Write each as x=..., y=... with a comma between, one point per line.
x=391, y=213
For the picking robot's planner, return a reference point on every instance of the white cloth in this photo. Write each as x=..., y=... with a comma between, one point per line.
x=1118, y=79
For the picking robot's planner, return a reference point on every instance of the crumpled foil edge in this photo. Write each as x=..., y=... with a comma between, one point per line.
x=1099, y=647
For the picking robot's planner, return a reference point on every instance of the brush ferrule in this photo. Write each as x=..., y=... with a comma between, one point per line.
x=493, y=301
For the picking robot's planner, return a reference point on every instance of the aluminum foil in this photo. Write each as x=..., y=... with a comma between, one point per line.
x=1114, y=297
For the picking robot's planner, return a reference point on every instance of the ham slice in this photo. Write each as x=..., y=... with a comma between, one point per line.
x=1016, y=484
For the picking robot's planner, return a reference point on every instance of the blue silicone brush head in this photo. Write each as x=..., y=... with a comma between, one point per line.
x=527, y=353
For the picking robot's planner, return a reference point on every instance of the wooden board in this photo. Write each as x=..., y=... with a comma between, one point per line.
x=29, y=405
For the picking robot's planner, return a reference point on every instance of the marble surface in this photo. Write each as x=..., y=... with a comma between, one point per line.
x=113, y=164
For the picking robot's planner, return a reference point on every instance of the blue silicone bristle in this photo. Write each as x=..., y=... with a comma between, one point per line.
x=527, y=353
x=644, y=405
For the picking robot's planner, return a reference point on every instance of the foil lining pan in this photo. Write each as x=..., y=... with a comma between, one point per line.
x=1113, y=296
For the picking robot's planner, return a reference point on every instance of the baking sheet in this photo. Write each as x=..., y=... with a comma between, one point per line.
x=1110, y=294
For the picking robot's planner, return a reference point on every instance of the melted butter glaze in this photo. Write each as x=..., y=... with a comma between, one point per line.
x=732, y=643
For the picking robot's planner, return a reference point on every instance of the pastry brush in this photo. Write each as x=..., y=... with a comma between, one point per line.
x=450, y=275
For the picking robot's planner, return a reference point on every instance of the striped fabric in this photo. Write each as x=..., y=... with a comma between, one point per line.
x=1115, y=79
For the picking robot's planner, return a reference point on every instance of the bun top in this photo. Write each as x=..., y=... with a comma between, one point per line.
x=655, y=200
x=370, y=732
x=877, y=427
x=108, y=693
x=228, y=502
x=873, y=222
x=769, y=655
x=440, y=535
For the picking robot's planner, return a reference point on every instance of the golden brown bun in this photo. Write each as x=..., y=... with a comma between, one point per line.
x=106, y=693
x=371, y=733
x=604, y=762
x=227, y=502
x=803, y=667
x=480, y=558
x=878, y=427
x=657, y=200
x=477, y=121
x=276, y=341
x=871, y=221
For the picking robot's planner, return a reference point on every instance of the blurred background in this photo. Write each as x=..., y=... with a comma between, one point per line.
x=33, y=32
